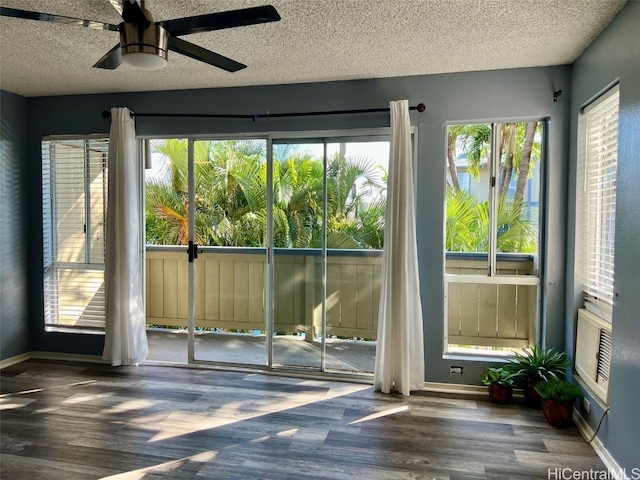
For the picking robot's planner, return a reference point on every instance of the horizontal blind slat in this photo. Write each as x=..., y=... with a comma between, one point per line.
x=74, y=192
x=599, y=155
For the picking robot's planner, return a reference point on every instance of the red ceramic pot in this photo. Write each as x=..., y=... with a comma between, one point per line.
x=531, y=397
x=501, y=394
x=558, y=414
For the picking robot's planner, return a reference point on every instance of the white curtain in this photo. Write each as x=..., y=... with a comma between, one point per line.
x=126, y=337
x=400, y=349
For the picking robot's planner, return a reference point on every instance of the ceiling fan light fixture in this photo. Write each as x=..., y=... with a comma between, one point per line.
x=144, y=44
x=145, y=49
x=145, y=60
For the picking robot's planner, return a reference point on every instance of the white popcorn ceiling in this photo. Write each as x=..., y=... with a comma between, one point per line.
x=316, y=40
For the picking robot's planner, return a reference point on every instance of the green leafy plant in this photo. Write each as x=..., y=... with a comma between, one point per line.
x=539, y=364
x=559, y=391
x=558, y=397
x=498, y=376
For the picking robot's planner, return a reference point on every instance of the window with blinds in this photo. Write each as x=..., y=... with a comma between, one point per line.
x=74, y=199
x=599, y=157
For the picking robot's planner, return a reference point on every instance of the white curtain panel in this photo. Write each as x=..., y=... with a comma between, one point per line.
x=126, y=337
x=400, y=350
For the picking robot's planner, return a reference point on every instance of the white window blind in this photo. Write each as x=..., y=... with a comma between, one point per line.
x=600, y=160
x=74, y=196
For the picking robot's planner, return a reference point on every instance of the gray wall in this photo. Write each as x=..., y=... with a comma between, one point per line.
x=495, y=95
x=14, y=318
x=615, y=56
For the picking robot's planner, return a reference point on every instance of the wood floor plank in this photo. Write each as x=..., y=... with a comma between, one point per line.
x=19, y=467
x=76, y=421
x=538, y=460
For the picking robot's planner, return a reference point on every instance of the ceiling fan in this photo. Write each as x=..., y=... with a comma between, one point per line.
x=145, y=43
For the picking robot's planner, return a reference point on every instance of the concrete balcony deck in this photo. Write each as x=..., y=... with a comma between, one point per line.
x=345, y=356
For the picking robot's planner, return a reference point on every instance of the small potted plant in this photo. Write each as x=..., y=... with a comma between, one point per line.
x=558, y=397
x=535, y=365
x=500, y=382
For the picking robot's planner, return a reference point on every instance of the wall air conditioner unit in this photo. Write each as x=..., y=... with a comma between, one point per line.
x=593, y=353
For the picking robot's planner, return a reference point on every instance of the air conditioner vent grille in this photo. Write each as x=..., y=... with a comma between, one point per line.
x=593, y=353
x=604, y=355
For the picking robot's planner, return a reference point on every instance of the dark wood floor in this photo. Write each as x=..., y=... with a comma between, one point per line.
x=75, y=421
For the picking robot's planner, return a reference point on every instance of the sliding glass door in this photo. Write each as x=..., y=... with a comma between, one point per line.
x=229, y=214
x=206, y=250
x=267, y=251
x=299, y=180
x=329, y=198
x=356, y=203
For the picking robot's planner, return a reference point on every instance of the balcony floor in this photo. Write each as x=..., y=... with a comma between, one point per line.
x=345, y=356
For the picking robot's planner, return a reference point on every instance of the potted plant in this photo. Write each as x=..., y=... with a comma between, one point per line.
x=535, y=365
x=558, y=397
x=500, y=382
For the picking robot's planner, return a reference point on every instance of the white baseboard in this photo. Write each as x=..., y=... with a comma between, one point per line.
x=462, y=389
x=602, y=452
x=455, y=388
x=23, y=357
x=73, y=357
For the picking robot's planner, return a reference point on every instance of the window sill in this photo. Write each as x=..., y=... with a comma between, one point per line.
x=478, y=357
x=77, y=331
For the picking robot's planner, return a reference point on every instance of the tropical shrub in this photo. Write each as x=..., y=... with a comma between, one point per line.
x=231, y=185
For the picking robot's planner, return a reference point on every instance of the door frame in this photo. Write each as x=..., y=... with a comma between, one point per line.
x=322, y=136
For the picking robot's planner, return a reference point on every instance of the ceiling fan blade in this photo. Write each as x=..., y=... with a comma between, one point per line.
x=218, y=21
x=207, y=56
x=47, y=17
x=131, y=11
x=111, y=60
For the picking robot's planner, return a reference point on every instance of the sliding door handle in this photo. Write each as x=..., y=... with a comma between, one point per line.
x=192, y=251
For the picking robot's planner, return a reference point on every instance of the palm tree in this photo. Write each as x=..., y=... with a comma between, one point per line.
x=230, y=198
x=226, y=175
x=520, y=153
x=297, y=198
x=467, y=225
x=476, y=143
x=517, y=149
x=507, y=145
x=467, y=218
x=530, y=155
x=356, y=203
x=452, y=138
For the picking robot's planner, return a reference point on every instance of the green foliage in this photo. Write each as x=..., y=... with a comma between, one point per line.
x=476, y=143
x=231, y=210
x=559, y=391
x=498, y=376
x=538, y=364
x=467, y=225
x=231, y=185
x=518, y=151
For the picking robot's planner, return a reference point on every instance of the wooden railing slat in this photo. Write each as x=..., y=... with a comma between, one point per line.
x=230, y=293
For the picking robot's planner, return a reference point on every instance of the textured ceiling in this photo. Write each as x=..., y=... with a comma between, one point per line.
x=316, y=40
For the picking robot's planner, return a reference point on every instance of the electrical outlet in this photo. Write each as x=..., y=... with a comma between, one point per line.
x=586, y=404
x=455, y=370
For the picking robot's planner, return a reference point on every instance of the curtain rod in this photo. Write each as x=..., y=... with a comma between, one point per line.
x=420, y=108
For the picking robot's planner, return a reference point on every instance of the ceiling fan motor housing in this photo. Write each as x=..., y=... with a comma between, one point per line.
x=144, y=46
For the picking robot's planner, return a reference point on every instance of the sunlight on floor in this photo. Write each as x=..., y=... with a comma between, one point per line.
x=163, y=468
x=181, y=423
x=384, y=413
